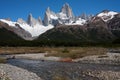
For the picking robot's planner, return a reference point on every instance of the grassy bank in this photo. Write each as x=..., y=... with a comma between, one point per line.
x=72, y=52
x=78, y=52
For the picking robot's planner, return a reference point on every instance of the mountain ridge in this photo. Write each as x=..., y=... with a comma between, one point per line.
x=64, y=25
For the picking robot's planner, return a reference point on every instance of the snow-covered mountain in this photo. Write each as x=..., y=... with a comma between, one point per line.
x=64, y=17
x=35, y=27
x=15, y=28
x=32, y=28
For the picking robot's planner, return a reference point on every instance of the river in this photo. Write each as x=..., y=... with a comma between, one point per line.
x=51, y=70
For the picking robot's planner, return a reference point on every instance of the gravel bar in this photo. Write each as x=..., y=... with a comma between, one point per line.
x=9, y=72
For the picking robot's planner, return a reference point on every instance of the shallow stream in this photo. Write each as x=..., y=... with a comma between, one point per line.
x=51, y=70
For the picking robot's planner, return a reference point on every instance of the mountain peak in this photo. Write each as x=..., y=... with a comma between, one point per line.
x=49, y=16
x=30, y=14
x=106, y=11
x=46, y=19
x=48, y=10
x=31, y=21
x=66, y=9
x=66, y=4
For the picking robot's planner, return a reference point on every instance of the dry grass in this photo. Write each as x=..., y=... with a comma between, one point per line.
x=78, y=52
x=71, y=52
x=20, y=50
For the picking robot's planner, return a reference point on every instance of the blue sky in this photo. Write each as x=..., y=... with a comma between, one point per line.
x=21, y=8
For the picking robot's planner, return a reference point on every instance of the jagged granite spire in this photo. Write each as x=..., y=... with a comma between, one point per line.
x=48, y=10
x=67, y=10
x=50, y=17
x=47, y=17
x=31, y=21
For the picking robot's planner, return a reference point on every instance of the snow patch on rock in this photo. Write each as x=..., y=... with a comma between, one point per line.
x=107, y=15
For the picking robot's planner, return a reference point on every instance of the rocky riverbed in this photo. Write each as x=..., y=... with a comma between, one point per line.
x=9, y=72
x=37, y=66
x=51, y=70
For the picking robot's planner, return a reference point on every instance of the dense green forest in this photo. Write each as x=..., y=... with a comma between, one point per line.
x=44, y=43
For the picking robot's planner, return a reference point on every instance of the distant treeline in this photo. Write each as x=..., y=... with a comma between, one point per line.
x=53, y=43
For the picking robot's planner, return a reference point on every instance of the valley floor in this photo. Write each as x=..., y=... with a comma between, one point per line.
x=72, y=52
x=88, y=63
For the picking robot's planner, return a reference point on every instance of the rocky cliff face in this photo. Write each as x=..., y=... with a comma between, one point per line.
x=47, y=17
x=31, y=21
x=114, y=25
x=40, y=21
